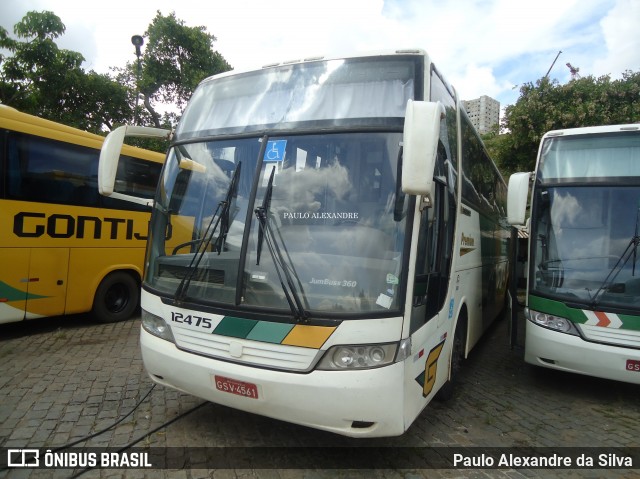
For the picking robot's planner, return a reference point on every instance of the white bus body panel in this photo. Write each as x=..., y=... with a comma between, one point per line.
x=573, y=354
x=327, y=400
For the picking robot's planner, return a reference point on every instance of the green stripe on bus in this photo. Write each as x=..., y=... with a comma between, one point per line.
x=235, y=327
x=558, y=308
x=276, y=333
x=270, y=332
x=630, y=322
x=9, y=293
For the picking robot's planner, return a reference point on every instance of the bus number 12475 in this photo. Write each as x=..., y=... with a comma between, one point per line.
x=191, y=320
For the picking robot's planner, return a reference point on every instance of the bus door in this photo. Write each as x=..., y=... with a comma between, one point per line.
x=515, y=253
x=429, y=317
x=47, y=282
x=13, y=292
x=34, y=282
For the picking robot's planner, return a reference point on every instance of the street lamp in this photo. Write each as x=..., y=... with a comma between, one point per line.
x=137, y=42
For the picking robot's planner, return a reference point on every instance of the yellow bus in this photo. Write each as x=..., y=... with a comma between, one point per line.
x=64, y=248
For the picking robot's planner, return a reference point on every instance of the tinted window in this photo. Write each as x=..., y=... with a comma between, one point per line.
x=482, y=185
x=43, y=170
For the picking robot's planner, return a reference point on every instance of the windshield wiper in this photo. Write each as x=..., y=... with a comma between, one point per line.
x=630, y=250
x=225, y=215
x=222, y=218
x=266, y=234
x=264, y=211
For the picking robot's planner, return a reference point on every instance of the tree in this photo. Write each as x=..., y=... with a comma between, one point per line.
x=548, y=105
x=176, y=59
x=41, y=79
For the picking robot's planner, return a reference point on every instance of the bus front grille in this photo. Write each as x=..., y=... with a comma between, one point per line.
x=615, y=336
x=253, y=353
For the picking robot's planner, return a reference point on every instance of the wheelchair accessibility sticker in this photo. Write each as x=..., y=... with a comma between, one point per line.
x=275, y=150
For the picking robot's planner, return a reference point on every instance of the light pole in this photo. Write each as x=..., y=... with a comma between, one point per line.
x=137, y=41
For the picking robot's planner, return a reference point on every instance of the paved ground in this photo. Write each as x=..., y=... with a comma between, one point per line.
x=63, y=379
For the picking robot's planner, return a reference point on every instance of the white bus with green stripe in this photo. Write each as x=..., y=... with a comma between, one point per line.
x=583, y=292
x=348, y=242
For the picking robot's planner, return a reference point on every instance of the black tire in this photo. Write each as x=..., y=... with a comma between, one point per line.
x=457, y=355
x=117, y=298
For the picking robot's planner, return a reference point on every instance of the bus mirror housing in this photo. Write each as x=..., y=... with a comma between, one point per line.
x=517, y=197
x=420, y=146
x=110, y=155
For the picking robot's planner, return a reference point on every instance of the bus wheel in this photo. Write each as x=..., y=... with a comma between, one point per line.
x=117, y=298
x=457, y=354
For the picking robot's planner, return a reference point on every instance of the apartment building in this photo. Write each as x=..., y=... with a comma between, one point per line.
x=484, y=112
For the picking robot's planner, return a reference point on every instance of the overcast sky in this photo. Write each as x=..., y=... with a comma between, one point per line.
x=483, y=47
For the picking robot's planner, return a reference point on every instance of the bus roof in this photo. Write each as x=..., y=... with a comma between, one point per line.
x=590, y=130
x=309, y=59
x=15, y=120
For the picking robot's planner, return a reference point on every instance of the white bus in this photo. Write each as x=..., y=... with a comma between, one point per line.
x=583, y=293
x=345, y=255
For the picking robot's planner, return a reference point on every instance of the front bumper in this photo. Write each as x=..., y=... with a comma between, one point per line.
x=364, y=403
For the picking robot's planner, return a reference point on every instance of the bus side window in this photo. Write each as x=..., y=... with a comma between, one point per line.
x=14, y=172
x=49, y=171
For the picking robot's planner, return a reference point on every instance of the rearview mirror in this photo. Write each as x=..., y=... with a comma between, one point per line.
x=420, y=146
x=110, y=156
x=517, y=196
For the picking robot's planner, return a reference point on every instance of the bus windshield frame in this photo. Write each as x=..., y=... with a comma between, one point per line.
x=310, y=95
x=337, y=218
x=587, y=186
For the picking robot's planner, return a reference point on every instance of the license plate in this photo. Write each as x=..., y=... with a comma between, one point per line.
x=633, y=365
x=233, y=386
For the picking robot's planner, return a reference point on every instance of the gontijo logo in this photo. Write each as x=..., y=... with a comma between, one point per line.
x=28, y=224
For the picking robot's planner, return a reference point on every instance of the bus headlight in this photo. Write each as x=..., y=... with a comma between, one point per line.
x=557, y=323
x=358, y=356
x=157, y=326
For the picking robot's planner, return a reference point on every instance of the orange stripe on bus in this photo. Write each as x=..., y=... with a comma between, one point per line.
x=602, y=319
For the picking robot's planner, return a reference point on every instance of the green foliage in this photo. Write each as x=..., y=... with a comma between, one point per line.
x=175, y=60
x=43, y=80
x=548, y=105
x=39, y=78
x=40, y=25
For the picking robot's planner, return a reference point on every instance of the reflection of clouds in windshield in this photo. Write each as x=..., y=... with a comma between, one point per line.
x=569, y=217
x=329, y=281
x=343, y=240
x=300, y=189
x=579, y=225
x=217, y=171
x=584, y=210
x=564, y=212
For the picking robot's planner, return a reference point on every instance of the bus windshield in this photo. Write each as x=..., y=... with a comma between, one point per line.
x=316, y=94
x=590, y=157
x=585, y=236
x=337, y=223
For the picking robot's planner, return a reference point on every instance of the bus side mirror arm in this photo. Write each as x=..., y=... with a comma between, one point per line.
x=110, y=156
x=420, y=148
x=517, y=196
